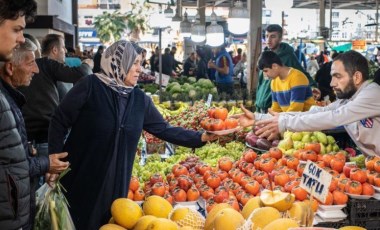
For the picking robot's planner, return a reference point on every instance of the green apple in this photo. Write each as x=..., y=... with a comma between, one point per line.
x=322, y=138
x=286, y=144
x=298, y=145
x=313, y=138
x=297, y=136
x=323, y=149
x=329, y=148
x=287, y=134
x=336, y=147
x=306, y=138
x=330, y=140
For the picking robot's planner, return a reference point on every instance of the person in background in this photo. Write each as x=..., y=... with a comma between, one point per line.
x=153, y=61
x=357, y=107
x=323, y=78
x=202, y=71
x=15, y=73
x=168, y=63
x=177, y=64
x=301, y=57
x=14, y=168
x=239, y=71
x=111, y=104
x=223, y=71
x=144, y=62
x=72, y=60
x=312, y=66
x=273, y=35
x=377, y=57
x=290, y=87
x=237, y=58
x=97, y=58
x=190, y=66
x=37, y=53
x=42, y=95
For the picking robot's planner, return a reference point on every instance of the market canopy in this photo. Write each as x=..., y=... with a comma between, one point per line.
x=343, y=48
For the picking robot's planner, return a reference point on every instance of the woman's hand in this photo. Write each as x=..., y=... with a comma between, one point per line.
x=245, y=119
x=208, y=137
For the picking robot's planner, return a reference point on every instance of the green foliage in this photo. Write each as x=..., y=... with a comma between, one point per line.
x=110, y=26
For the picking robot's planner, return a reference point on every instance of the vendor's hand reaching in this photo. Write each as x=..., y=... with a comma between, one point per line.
x=56, y=165
x=269, y=126
x=245, y=119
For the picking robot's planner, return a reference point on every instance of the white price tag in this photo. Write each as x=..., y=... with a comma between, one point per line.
x=165, y=79
x=209, y=99
x=316, y=181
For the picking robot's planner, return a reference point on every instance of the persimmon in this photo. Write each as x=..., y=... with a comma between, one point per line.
x=315, y=147
x=222, y=174
x=155, y=178
x=292, y=163
x=231, y=123
x=278, y=188
x=235, y=187
x=358, y=175
x=180, y=170
x=134, y=184
x=225, y=164
x=217, y=125
x=354, y=187
x=249, y=156
x=245, y=198
x=370, y=162
x=221, y=113
x=337, y=164
x=206, y=192
x=368, y=189
x=292, y=174
x=329, y=199
x=371, y=176
x=267, y=165
x=342, y=184
x=281, y=179
x=253, y=187
x=211, y=112
x=376, y=166
x=334, y=185
x=341, y=155
x=299, y=193
x=130, y=194
x=339, y=197
x=213, y=181
x=221, y=195
x=245, y=180
x=139, y=195
x=237, y=177
x=233, y=203
x=327, y=159
x=290, y=185
x=321, y=164
x=158, y=189
x=210, y=204
x=275, y=153
x=300, y=168
x=203, y=169
x=169, y=198
x=261, y=176
x=309, y=155
x=376, y=180
x=239, y=194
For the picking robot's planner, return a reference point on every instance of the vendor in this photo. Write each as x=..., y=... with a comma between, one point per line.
x=357, y=107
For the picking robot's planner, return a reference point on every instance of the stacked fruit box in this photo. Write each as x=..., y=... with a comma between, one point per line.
x=364, y=213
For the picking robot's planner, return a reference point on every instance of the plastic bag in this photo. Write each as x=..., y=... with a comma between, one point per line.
x=52, y=208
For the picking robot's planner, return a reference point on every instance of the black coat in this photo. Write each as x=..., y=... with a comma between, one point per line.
x=102, y=145
x=14, y=171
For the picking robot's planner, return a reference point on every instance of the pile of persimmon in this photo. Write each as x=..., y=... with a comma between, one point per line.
x=217, y=120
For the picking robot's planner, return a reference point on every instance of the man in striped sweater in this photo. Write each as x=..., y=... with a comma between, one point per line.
x=290, y=87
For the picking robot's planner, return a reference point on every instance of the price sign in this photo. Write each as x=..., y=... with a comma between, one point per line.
x=165, y=79
x=316, y=181
x=209, y=99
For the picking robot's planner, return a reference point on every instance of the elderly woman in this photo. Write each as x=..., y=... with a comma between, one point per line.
x=106, y=113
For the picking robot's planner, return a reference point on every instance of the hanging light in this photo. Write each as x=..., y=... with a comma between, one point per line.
x=278, y=4
x=215, y=33
x=168, y=12
x=238, y=19
x=185, y=27
x=198, y=31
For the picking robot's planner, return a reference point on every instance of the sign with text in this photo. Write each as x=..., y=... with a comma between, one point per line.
x=316, y=181
x=209, y=99
x=359, y=44
x=165, y=79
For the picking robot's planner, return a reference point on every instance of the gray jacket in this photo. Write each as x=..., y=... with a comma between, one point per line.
x=360, y=116
x=14, y=172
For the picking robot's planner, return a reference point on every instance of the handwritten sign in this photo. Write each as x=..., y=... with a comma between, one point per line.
x=209, y=99
x=165, y=79
x=316, y=181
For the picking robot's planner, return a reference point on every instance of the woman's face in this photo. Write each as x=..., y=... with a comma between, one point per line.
x=133, y=73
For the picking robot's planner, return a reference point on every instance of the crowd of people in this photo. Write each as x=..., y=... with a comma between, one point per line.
x=86, y=111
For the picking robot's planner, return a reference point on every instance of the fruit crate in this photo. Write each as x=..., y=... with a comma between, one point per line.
x=369, y=224
x=363, y=210
x=337, y=224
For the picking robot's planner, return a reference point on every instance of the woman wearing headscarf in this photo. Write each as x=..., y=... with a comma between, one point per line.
x=106, y=114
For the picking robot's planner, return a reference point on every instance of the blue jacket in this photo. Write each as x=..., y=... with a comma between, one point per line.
x=225, y=78
x=102, y=145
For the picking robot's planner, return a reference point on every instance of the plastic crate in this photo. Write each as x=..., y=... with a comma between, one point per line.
x=362, y=210
x=369, y=224
x=336, y=225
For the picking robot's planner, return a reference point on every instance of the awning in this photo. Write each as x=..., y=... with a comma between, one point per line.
x=343, y=48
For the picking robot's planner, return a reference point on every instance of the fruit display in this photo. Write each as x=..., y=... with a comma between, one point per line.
x=191, y=88
x=218, y=120
x=261, y=143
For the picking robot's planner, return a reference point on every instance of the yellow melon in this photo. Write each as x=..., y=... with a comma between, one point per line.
x=211, y=216
x=126, y=212
x=281, y=224
x=351, y=228
x=162, y=224
x=184, y=216
x=228, y=219
x=111, y=227
x=261, y=217
x=143, y=222
x=282, y=201
x=250, y=206
x=157, y=206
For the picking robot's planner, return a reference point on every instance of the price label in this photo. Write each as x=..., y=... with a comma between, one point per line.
x=316, y=181
x=209, y=99
x=165, y=79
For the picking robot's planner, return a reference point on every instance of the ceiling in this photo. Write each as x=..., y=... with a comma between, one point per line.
x=307, y=4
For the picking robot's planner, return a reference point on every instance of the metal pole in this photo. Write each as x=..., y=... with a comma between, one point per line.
x=160, y=61
x=377, y=21
x=331, y=30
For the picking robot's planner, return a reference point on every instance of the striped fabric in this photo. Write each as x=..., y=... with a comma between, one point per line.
x=292, y=94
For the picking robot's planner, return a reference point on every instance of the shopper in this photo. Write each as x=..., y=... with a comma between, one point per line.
x=106, y=114
x=286, y=53
x=290, y=87
x=237, y=58
x=97, y=58
x=224, y=70
x=190, y=66
x=15, y=73
x=240, y=71
x=357, y=107
x=312, y=66
x=202, y=71
x=14, y=204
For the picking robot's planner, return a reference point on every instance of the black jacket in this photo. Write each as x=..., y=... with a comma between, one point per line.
x=42, y=96
x=97, y=59
x=102, y=145
x=14, y=171
x=168, y=64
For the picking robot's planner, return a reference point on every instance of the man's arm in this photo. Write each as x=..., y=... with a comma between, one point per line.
x=64, y=73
